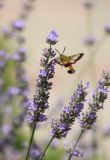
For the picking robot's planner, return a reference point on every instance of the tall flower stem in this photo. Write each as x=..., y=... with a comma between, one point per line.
x=89, y=21
x=31, y=140
x=43, y=154
x=79, y=137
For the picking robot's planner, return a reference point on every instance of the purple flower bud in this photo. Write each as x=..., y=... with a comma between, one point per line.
x=88, y=3
x=52, y=132
x=18, y=25
x=2, y=53
x=87, y=85
x=6, y=33
x=42, y=73
x=42, y=118
x=20, y=55
x=13, y=91
x=34, y=153
x=63, y=126
x=90, y=40
x=77, y=153
x=6, y=129
x=106, y=131
x=20, y=39
x=66, y=110
x=2, y=65
x=52, y=37
x=107, y=28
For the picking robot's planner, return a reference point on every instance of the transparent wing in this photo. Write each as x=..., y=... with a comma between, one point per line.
x=75, y=58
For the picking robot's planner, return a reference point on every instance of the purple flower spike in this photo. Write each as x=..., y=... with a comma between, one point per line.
x=60, y=127
x=99, y=96
x=40, y=101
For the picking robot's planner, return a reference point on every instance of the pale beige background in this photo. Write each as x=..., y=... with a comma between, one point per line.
x=69, y=18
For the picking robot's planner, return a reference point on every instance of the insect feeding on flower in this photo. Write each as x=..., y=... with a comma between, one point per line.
x=67, y=61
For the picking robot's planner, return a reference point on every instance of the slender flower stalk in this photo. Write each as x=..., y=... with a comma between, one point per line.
x=43, y=154
x=77, y=141
x=31, y=140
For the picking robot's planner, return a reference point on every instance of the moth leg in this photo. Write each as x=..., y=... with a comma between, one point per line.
x=64, y=49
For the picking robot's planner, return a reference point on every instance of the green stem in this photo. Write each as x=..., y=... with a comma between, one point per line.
x=43, y=154
x=79, y=137
x=31, y=140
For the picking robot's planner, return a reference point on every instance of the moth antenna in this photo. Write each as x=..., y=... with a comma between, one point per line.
x=57, y=51
x=64, y=49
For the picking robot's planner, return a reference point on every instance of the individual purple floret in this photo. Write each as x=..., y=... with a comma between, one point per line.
x=6, y=129
x=39, y=104
x=18, y=25
x=90, y=40
x=73, y=151
x=13, y=91
x=20, y=55
x=34, y=153
x=52, y=37
x=7, y=33
x=99, y=96
x=106, y=131
x=61, y=126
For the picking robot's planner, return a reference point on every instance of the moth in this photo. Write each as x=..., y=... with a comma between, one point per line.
x=68, y=61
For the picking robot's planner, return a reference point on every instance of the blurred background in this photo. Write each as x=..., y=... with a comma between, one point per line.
x=81, y=28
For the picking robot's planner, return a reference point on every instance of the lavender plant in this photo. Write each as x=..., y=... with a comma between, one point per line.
x=61, y=126
x=18, y=91
x=89, y=118
x=40, y=104
x=13, y=83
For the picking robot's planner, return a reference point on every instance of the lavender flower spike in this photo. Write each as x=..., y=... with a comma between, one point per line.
x=37, y=107
x=61, y=126
x=99, y=96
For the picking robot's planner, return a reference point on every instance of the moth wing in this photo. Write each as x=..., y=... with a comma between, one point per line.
x=76, y=57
